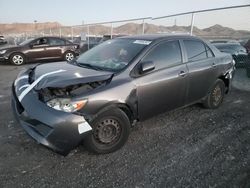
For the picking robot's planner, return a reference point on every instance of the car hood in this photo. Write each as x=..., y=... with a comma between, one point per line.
x=9, y=47
x=63, y=74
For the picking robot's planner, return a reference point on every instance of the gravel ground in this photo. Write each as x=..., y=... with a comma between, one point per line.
x=190, y=147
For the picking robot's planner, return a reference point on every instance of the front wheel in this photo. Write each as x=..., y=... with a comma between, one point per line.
x=110, y=132
x=215, y=96
x=17, y=59
x=69, y=56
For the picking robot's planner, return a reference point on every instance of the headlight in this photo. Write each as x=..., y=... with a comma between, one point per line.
x=2, y=51
x=66, y=105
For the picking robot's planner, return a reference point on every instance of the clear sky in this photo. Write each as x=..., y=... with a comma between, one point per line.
x=75, y=11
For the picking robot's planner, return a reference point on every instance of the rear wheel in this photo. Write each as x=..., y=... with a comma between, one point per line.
x=69, y=56
x=17, y=59
x=215, y=96
x=110, y=132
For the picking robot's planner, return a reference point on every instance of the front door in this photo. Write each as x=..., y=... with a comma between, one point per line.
x=164, y=88
x=37, y=49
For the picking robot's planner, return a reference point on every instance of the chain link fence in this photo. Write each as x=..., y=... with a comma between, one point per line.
x=222, y=25
x=198, y=23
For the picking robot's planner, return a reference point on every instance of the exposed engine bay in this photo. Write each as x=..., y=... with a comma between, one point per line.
x=47, y=94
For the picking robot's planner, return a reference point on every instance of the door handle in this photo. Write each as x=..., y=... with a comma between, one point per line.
x=182, y=73
x=214, y=65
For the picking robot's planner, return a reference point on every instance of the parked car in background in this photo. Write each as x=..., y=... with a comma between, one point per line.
x=238, y=52
x=247, y=46
x=232, y=48
x=89, y=43
x=108, y=37
x=98, y=96
x=225, y=41
x=94, y=41
x=42, y=48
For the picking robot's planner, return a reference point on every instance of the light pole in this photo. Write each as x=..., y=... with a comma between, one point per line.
x=35, y=21
x=192, y=24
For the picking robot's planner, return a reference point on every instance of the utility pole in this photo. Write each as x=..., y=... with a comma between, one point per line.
x=192, y=24
x=111, y=31
x=88, y=35
x=143, y=26
x=82, y=25
x=35, y=21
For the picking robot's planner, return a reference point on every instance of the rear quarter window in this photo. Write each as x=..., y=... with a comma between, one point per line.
x=195, y=50
x=68, y=42
x=209, y=52
x=56, y=42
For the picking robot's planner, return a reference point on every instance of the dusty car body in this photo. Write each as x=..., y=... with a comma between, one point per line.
x=115, y=99
x=42, y=48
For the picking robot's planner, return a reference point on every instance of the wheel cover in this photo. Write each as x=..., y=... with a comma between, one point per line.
x=17, y=59
x=69, y=56
x=217, y=95
x=107, y=131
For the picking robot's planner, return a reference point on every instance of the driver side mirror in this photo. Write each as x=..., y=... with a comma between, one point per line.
x=31, y=45
x=146, y=66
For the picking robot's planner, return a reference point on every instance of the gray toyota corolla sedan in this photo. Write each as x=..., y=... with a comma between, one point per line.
x=99, y=96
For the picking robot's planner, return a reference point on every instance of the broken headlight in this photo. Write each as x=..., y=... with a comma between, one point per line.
x=66, y=105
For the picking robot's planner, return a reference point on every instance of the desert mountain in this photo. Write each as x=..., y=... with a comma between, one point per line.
x=27, y=27
x=129, y=28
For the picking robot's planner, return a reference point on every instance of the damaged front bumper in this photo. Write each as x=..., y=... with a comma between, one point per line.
x=4, y=58
x=58, y=130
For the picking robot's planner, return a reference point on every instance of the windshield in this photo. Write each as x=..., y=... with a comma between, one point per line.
x=26, y=42
x=113, y=55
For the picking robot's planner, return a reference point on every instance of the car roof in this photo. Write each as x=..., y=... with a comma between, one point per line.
x=154, y=37
x=50, y=37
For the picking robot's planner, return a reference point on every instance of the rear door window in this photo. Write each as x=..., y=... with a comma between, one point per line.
x=165, y=54
x=195, y=50
x=41, y=41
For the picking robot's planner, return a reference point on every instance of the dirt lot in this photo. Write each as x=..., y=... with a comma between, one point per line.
x=190, y=147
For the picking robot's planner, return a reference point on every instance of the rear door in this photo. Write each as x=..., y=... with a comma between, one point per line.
x=201, y=67
x=55, y=48
x=164, y=88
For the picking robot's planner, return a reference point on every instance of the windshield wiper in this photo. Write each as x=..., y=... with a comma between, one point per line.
x=87, y=65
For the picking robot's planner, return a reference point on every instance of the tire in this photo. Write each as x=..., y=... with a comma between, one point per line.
x=215, y=96
x=110, y=132
x=17, y=59
x=69, y=56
